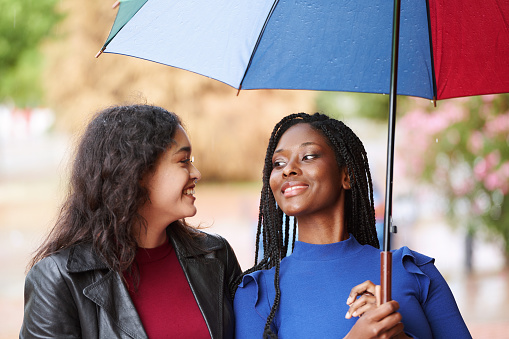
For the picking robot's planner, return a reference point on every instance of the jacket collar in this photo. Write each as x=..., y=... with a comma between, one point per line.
x=82, y=258
x=205, y=244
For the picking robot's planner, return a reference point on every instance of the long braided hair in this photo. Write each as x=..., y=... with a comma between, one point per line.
x=274, y=225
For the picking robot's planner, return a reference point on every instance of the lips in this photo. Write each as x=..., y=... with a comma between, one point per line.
x=292, y=188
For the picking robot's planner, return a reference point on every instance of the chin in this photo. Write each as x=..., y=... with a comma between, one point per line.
x=291, y=212
x=192, y=213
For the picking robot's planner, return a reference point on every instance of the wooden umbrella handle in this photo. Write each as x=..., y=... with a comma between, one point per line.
x=385, y=276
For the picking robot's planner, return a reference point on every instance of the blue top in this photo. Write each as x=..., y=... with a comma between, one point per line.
x=316, y=280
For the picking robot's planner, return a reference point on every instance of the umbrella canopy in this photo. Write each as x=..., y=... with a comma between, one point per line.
x=435, y=49
x=447, y=48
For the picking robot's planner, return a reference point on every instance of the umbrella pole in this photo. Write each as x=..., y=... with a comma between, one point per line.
x=386, y=255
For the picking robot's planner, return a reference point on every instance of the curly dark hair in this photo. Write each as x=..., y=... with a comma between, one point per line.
x=119, y=146
x=273, y=224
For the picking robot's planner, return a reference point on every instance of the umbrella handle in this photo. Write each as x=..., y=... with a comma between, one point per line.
x=385, y=276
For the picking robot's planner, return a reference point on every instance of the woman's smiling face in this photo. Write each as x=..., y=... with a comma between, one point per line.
x=171, y=185
x=306, y=180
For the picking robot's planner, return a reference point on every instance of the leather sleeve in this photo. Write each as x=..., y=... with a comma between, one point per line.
x=233, y=269
x=50, y=311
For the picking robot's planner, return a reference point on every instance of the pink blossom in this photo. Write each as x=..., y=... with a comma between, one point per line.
x=481, y=170
x=503, y=176
x=475, y=142
x=493, y=178
x=504, y=169
x=485, y=166
x=492, y=181
x=493, y=159
x=495, y=181
x=498, y=125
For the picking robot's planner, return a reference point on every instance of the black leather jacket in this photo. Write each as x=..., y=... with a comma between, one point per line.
x=73, y=294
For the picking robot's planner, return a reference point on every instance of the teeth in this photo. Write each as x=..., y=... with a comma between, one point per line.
x=189, y=191
x=289, y=189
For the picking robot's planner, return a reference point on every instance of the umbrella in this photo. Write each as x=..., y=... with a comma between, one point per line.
x=435, y=49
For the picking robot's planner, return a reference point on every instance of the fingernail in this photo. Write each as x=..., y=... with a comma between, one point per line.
x=349, y=300
x=347, y=315
x=354, y=314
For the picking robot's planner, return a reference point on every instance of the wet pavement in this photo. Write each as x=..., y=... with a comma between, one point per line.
x=32, y=186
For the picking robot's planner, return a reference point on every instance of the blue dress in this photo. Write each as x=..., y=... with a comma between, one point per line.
x=316, y=280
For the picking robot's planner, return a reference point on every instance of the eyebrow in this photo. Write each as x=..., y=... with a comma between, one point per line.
x=185, y=149
x=308, y=143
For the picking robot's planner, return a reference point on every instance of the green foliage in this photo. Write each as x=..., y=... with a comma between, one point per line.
x=346, y=104
x=24, y=24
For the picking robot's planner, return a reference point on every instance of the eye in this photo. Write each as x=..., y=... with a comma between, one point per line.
x=187, y=160
x=278, y=163
x=310, y=156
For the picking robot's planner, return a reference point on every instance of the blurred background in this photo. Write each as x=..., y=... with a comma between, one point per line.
x=451, y=181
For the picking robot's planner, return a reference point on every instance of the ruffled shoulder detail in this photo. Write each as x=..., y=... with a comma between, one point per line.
x=412, y=262
x=257, y=286
x=250, y=278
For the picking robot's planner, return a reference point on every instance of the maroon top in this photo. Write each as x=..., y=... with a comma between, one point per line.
x=164, y=300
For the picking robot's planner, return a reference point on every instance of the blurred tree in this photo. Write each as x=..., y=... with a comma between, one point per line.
x=461, y=148
x=346, y=104
x=229, y=133
x=23, y=26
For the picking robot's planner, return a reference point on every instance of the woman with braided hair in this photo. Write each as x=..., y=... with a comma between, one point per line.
x=316, y=172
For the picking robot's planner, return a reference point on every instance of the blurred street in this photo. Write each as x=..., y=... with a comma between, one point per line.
x=451, y=158
x=33, y=182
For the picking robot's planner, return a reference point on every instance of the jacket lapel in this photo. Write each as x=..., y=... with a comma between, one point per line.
x=205, y=275
x=108, y=292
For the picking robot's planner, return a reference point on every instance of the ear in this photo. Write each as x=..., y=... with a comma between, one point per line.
x=345, y=179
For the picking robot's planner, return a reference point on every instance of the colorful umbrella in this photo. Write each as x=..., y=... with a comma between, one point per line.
x=324, y=45
x=435, y=49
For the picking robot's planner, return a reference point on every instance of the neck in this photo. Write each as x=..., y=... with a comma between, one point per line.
x=322, y=230
x=150, y=238
x=154, y=234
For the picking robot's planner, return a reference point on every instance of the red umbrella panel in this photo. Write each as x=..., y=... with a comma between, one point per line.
x=470, y=47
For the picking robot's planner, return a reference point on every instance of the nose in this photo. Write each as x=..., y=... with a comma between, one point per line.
x=194, y=173
x=291, y=168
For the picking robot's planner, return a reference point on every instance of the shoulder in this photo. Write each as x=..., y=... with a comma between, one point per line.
x=413, y=266
x=214, y=243
x=210, y=245
x=258, y=280
x=211, y=241
x=51, y=265
x=409, y=258
x=256, y=289
x=49, y=273
x=76, y=258
x=55, y=262
x=208, y=242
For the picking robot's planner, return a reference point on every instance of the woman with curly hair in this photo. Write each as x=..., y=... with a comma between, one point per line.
x=121, y=262
x=316, y=172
